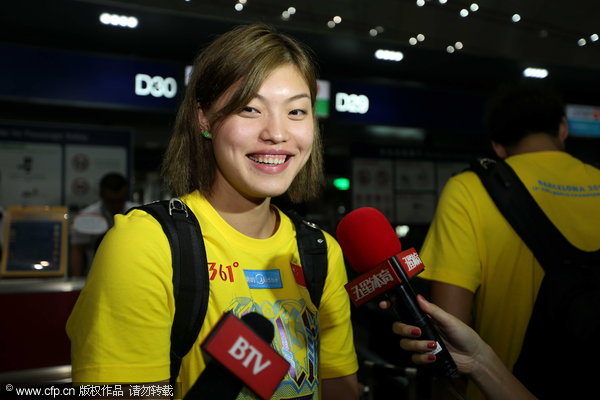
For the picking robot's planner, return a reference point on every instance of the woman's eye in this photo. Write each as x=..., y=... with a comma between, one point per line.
x=298, y=112
x=249, y=109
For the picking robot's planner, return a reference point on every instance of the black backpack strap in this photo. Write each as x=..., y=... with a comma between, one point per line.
x=514, y=201
x=312, y=247
x=190, y=275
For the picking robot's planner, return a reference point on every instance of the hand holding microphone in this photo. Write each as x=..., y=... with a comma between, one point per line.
x=373, y=249
x=241, y=355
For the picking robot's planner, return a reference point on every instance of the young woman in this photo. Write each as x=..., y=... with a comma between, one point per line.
x=245, y=132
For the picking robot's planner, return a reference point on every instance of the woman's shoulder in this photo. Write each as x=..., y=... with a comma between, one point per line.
x=137, y=227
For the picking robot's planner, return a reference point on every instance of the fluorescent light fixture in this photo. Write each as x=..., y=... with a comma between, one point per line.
x=389, y=55
x=539, y=73
x=397, y=132
x=123, y=21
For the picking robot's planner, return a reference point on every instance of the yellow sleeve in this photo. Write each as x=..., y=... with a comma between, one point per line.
x=120, y=325
x=337, y=355
x=450, y=252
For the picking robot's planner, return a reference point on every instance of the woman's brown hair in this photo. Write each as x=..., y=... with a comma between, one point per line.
x=247, y=54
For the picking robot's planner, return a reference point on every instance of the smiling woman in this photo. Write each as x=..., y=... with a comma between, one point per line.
x=245, y=132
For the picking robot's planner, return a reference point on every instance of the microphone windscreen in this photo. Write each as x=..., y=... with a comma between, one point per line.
x=260, y=325
x=367, y=238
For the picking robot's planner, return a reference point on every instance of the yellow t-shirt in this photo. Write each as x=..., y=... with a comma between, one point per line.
x=472, y=246
x=120, y=327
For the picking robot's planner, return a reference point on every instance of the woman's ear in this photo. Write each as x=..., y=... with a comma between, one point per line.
x=203, y=120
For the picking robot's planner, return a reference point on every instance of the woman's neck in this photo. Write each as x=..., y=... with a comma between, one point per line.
x=252, y=217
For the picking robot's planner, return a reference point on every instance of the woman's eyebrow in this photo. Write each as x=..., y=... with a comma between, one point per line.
x=292, y=98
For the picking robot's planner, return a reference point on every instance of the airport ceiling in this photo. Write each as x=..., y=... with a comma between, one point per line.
x=494, y=48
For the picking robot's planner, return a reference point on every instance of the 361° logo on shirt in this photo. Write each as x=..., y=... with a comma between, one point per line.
x=224, y=272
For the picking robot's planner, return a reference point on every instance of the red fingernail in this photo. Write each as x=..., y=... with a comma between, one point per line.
x=431, y=357
x=416, y=332
x=432, y=345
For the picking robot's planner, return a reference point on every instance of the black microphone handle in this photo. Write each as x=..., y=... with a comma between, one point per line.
x=403, y=298
x=215, y=382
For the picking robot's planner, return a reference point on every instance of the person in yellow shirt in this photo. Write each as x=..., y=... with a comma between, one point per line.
x=481, y=271
x=246, y=132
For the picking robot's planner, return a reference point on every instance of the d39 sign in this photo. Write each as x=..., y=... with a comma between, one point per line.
x=352, y=103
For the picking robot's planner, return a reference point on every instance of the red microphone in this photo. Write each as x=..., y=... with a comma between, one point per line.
x=241, y=355
x=372, y=248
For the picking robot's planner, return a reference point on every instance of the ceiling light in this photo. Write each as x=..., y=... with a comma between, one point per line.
x=375, y=31
x=402, y=230
x=474, y=7
x=464, y=12
x=539, y=73
x=238, y=7
x=443, y=1
x=594, y=37
x=242, y=1
x=285, y=15
x=450, y=49
x=420, y=3
x=420, y=37
x=458, y=45
x=581, y=42
x=331, y=24
x=389, y=55
x=337, y=19
x=412, y=41
x=291, y=10
x=516, y=18
x=123, y=21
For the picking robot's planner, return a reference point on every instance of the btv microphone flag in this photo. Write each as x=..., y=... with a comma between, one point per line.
x=372, y=248
x=246, y=354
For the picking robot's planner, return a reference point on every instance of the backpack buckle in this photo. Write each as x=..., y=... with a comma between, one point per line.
x=486, y=163
x=177, y=205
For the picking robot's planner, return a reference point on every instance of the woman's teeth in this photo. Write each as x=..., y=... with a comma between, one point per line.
x=268, y=159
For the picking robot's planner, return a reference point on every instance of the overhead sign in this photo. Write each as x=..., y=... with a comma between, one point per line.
x=352, y=103
x=583, y=120
x=63, y=77
x=156, y=86
x=407, y=106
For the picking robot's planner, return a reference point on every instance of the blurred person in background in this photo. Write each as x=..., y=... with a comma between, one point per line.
x=99, y=218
